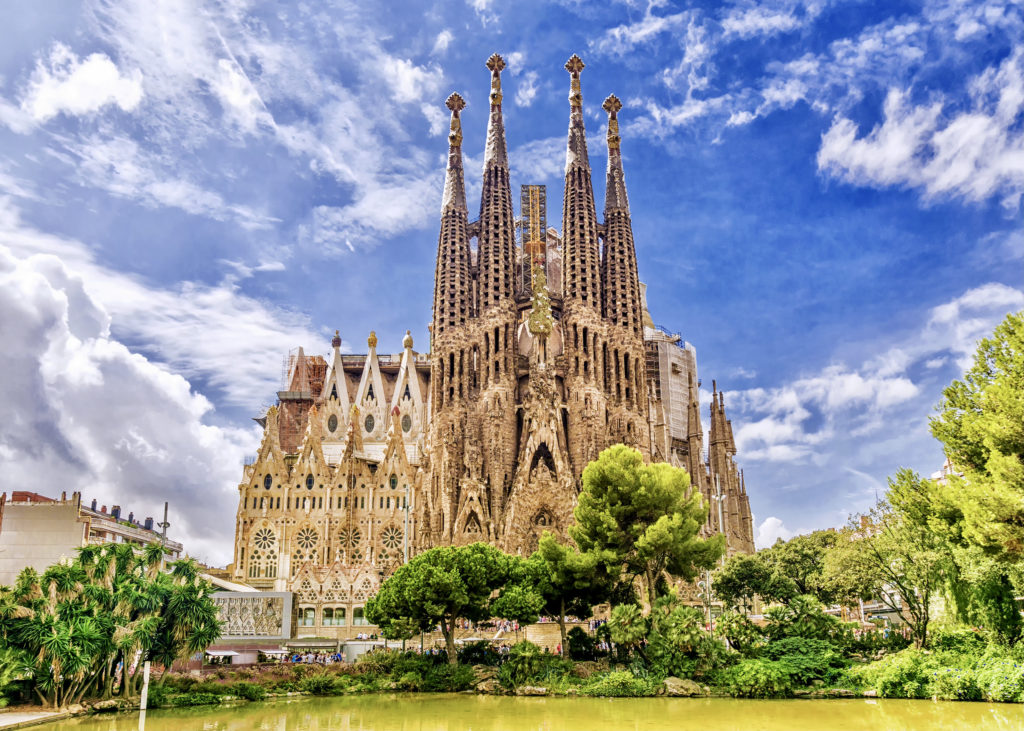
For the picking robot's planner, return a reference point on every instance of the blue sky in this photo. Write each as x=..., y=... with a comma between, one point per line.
x=826, y=202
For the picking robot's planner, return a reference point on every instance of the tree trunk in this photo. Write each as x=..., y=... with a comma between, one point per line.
x=561, y=628
x=448, y=630
x=651, y=591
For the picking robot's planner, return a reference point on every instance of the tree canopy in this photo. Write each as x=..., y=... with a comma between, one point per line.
x=981, y=425
x=78, y=619
x=646, y=517
x=442, y=585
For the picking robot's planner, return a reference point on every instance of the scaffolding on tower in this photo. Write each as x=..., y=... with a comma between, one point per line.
x=532, y=228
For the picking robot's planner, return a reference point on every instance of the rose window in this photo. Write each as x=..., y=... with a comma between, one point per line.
x=391, y=537
x=349, y=538
x=264, y=538
x=307, y=538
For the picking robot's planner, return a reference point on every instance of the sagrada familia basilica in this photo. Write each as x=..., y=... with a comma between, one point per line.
x=542, y=355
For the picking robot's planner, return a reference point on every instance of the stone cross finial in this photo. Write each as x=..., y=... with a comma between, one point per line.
x=495, y=63
x=612, y=105
x=456, y=103
x=574, y=65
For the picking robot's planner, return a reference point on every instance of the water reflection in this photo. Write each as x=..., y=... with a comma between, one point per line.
x=489, y=713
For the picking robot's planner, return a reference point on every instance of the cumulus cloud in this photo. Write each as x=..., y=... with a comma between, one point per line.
x=212, y=332
x=65, y=84
x=771, y=530
x=83, y=412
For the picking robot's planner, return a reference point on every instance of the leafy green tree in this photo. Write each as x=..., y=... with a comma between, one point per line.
x=79, y=619
x=441, y=586
x=796, y=567
x=744, y=577
x=569, y=582
x=894, y=555
x=981, y=425
x=646, y=517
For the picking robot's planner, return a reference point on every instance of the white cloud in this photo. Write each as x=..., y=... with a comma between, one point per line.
x=408, y=81
x=231, y=341
x=540, y=160
x=972, y=154
x=771, y=530
x=119, y=166
x=758, y=21
x=66, y=84
x=810, y=417
x=625, y=38
x=443, y=40
x=82, y=412
x=526, y=91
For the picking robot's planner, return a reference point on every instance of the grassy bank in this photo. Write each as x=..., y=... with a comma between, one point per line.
x=961, y=667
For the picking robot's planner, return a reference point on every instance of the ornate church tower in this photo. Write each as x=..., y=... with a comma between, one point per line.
x=494, y=353
x=620, y=289
x=453, y=304
x=586, y=349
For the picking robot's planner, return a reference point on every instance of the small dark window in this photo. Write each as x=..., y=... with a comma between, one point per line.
x=309, y=482
x=267, y=482
x=394, y=481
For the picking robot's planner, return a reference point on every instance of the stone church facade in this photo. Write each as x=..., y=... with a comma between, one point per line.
x=542, y=355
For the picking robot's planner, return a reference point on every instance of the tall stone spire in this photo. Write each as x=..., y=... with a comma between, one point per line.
x=497, y=223
x=620, y=284
x=581, y=260
x=694, y=438
x=451, y=278
x=454, y=180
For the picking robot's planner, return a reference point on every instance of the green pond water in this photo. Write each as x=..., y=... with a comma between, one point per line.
x=490, y=713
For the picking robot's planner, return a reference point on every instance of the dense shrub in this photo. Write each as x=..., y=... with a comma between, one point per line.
x=1000, y=678
x=618, y=684
x=158, y=695
x=581, y=645
x=479, y=653
x=524, y=663
x=321, y=683
x=955, y=684
x=961, y=641
x=807, y=660
x=742, y=634
x=448, y=678
x=196, y=699
x=379, y=662
x=249, y=691
x=758, y=678
x=906, y=674
x=804, y=617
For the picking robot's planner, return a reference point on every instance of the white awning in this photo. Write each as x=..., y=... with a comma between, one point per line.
x=274, y=652
x=470, y=639
x=221, y=653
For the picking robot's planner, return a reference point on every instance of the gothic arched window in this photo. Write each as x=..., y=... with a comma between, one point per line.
x=267, y=482
x=309, y=482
